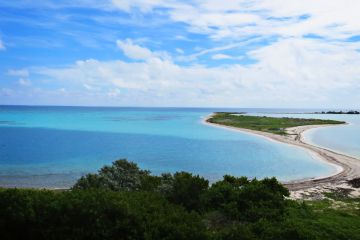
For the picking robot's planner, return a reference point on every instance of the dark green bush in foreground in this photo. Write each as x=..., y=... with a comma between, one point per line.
x=32, y=214
x=124, y=202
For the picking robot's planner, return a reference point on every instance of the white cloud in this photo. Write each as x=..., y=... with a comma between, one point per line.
x=308, y=66
x=201, y=52
x=144, y=5
x=132, y=50
x=220, y=56
x=24, y=82
x=23, y=75
x=223, y=19
x=18, y=73
x=7, y=92
x=294, y=71
x=179, y=50
x=289, y=70
x=89, y=87
x=138, y=52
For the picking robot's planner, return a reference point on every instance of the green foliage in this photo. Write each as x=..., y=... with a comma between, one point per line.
x=126, y=176
x=186, y=190
x=124, y=202
x=355, y=182
x=339, y=194
x=243, y=200
x=265, y=124
x=320, y=220
x=122, y=175
x=95, y=214
x=236, y=231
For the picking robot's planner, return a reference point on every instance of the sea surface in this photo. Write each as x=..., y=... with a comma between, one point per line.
x=53, y=146
x=343, y=139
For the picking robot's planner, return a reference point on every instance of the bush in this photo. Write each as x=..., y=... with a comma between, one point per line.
x=243, y=200
x=120, y=176
x=185, y=189
x=31, y=214
x=124, y=202
x=126, y=176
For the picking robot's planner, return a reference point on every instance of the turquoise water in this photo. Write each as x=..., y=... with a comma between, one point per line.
x=53, y=146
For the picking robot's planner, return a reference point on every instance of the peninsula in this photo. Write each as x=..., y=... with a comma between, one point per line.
x=265, y=124
x=289, y=131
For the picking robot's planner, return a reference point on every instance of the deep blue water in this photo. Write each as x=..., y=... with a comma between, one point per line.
x=53, y=146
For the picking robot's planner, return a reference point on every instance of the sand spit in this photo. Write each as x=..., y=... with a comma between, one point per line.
x=313, y=188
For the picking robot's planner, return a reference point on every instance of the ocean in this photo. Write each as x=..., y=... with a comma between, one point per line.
x=51, y=147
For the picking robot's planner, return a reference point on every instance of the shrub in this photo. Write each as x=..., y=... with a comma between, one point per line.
x=241, y=199
x=185, y=189
x=122, y=175
x=79, y=214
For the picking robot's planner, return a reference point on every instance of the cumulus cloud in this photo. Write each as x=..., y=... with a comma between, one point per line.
x=132, y=50
x=308, y=65
x=299, y=54
x=307, y=71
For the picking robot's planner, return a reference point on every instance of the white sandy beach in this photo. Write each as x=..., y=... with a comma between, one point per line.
x=346, y=167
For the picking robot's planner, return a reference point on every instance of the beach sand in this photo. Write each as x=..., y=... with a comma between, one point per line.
x=347, y=167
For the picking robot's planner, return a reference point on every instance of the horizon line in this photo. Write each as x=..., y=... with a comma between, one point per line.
x=193, y=107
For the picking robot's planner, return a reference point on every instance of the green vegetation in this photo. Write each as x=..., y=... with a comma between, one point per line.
x=265, y=124
x=124, y=202
x=339, y=112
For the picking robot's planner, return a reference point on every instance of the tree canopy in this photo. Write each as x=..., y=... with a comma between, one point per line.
x=122, y=201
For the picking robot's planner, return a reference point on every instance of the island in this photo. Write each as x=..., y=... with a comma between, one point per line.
x=338, y=112
x=263, y=123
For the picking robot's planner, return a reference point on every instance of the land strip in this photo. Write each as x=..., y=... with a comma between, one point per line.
x=347, y=167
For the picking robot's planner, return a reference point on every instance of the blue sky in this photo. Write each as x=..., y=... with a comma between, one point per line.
x=238, y=53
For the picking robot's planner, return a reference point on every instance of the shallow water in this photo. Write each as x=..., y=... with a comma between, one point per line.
x=343, y=139
x=53, y=146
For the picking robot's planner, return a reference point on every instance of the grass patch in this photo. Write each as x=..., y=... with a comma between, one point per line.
x=327, y=219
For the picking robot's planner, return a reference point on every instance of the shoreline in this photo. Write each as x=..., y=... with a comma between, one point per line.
x=347, y=167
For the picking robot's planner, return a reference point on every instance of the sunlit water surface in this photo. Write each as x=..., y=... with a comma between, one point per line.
x=54, y=146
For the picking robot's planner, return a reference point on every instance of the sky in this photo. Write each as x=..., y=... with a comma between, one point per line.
x=162, y=53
